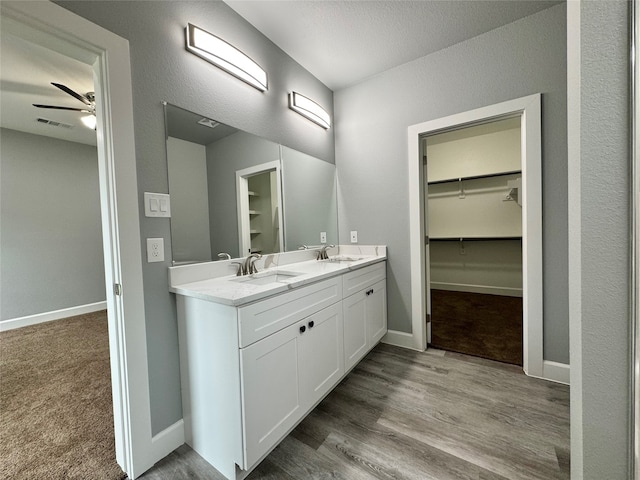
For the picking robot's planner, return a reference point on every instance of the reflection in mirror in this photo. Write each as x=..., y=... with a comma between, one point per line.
x=212, y=167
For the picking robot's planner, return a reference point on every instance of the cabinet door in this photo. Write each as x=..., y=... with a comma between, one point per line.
x=376, y=313
x=270, y=391
x=355, y=330
x=321, y=354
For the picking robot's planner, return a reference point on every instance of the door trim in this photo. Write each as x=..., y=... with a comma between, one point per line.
x=242, y=193
x=56, y=28
x=529, y=109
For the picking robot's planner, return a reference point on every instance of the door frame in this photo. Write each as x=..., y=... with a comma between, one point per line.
x=242, y=193
x=529, y=110
x=56, y=28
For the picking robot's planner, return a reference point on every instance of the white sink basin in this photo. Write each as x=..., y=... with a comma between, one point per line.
x=342, y=259
x=265, y=278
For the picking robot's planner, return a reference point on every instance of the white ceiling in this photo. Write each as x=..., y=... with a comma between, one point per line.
x=339, y=42
x=26, y=73
x=343, y=42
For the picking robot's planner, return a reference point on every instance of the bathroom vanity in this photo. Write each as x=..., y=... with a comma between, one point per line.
x=259, y=352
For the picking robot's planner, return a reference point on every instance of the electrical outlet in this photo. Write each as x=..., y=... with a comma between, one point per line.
x=323, y=237
x=155, y=250
x=354, y=236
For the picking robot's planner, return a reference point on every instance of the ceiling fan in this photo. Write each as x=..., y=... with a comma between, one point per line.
x=89, y=99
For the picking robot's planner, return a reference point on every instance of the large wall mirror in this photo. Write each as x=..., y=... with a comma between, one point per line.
x=234, y=192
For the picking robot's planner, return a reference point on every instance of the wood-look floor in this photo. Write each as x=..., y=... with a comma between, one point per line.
x=402, y=414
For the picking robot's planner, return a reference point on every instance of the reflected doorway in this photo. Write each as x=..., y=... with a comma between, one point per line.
x=259, y=191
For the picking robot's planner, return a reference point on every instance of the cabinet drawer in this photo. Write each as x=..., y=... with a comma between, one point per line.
x=265, y=317
x=363, y=278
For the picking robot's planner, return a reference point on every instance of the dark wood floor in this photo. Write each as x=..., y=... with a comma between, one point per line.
x=488, y=326
x=418, y=415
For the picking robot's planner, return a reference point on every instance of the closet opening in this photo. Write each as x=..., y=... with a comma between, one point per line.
x=473, y=210
x=470, y=234
x=259, y=192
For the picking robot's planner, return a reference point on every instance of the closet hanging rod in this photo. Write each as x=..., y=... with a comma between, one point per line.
x=474, y=177
x=465, y=239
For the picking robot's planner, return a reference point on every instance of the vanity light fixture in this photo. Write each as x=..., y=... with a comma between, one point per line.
x=225, y=56
x=309, y=109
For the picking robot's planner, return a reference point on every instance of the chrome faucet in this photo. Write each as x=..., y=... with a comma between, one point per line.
x=249, y=266
x=224, y=255
x=240, y=270
x=322, y=253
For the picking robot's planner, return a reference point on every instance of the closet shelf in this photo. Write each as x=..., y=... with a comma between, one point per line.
x=473, y=238
x=475, y=177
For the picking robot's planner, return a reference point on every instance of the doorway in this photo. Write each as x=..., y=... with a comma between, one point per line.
x=528, y=109
x=259, y=191
x=47, y=24
x=473, y=209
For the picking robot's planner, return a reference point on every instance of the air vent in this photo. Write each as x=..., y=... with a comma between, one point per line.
x=53, y=123
x=207, y=122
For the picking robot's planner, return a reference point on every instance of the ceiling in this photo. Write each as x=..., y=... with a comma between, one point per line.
x=26, y=73
x=339, y=42
x=343, y=42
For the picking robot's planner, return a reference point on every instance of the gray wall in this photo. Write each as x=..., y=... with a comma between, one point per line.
x=599, y=235
x=187, y=169
x=224, y=157
x=309, y=199
x=163, y=71
x=50, y=234
x=371, y=118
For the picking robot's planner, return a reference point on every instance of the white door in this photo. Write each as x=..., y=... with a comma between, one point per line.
x=376, y=312
x=270, y=390
x=355, y=328
x=321, y=355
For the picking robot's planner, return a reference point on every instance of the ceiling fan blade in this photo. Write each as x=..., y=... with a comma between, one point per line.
x=62, y=108
x=66, y=89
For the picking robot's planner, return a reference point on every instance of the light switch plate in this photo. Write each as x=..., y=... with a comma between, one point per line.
x=323, y=237
x=155, y=250
x=157, y=205
x=354, y=236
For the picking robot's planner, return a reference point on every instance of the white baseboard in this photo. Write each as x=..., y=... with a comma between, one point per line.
x=490, y=290
x=167, y=440
x=552, y=371
x=12, y=323
x=556, y=372
x=399, y=339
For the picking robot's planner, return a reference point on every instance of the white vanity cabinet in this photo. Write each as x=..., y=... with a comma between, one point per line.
x=365, y=311
x=286, y=374
x=251, y=372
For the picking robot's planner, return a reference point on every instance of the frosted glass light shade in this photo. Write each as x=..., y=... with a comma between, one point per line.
x=89, y=121
x=225, y=56
x=309, y=109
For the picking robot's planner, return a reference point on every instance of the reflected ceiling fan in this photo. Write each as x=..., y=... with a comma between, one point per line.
x=89, y=100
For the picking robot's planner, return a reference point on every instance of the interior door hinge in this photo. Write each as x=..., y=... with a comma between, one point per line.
x=428, y=318
x=424, y=159
x=117, y=289
x=426, y=239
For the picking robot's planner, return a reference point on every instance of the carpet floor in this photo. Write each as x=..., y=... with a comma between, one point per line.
x=56, y=417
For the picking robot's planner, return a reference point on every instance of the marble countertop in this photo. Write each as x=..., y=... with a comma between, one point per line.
x=236, y=291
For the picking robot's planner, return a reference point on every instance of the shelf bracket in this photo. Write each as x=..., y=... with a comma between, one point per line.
x=461, y=193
